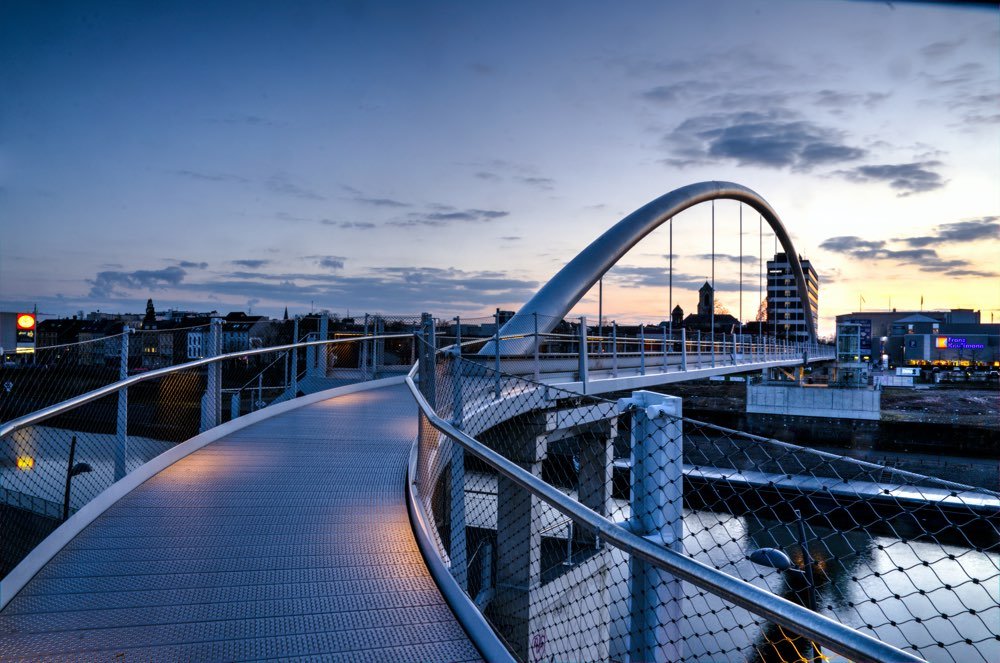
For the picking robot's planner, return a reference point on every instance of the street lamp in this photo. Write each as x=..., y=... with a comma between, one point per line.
x=72, y=470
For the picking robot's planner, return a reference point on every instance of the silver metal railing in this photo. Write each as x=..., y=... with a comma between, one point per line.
x=478, y=441
x=59, y=458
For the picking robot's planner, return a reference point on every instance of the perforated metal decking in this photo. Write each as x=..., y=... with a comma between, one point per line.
x=289, y=538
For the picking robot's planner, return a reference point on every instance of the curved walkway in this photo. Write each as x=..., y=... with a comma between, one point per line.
x=289, y=538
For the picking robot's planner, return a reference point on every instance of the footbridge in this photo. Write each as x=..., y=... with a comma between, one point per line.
x=524, y=496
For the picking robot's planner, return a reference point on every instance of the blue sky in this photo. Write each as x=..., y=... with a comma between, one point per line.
x=452, y=156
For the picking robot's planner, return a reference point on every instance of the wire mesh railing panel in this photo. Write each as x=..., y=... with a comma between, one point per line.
x=908, y=559
x=52, y=467
x=54, y=373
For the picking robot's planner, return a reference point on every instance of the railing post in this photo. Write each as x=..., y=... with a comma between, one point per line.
x=684, y=349
x=584, y=359
x=664, y=367
x=458, y=552
x=711, y=342
x=614, y=348
x=698, y=348
x=234, y=405
x=657, y=514
x=538, y=343
x=210, y=402
x=121, y=421
x=496, y=356
x=642, y=349
x=295, y=359
x=365, y=350
x=323, y=351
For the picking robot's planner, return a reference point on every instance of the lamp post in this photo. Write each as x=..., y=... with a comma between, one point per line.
x=71, y=471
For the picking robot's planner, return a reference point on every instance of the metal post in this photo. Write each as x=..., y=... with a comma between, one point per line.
x=458, y=335
x=234, y=406
x=121, y=421
x=260, y=391
x=538, y=367
x=69, y=477
x=698, y=348
x=657, y=514
x=642, y=349
x=427, y=436
x=664, y=367
x=211, y=402
x=295, y=359
x=614, y=349
x=584, y=358
x=496, y=356
x=323, y=351
x=712, y=343
x=600, y=313
x=458, y=552
x=684, y=349
x=365, y=350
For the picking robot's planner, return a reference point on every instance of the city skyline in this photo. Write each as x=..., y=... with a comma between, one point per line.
x=452, y=158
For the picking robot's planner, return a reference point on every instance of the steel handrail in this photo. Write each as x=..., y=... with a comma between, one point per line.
x=45, y=413
x=827, y=632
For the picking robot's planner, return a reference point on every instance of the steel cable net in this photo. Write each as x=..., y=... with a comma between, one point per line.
x=53, y=374
x=909, y=559
x=48, y=471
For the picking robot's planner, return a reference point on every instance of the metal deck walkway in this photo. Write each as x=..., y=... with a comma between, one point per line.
x=289, y=538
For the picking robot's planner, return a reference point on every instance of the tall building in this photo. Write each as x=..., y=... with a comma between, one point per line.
x=786, y=316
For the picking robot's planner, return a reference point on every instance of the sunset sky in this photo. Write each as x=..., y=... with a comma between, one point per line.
x=451, y=156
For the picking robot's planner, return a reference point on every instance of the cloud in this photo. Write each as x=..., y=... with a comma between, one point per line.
x=250, y=264
x=775, y=139
x=975, y=230
x=488, y=176
x=544, y=183
x=725, y=257
x=906, y=178
x=348, y=225
x=940, y=49
x=187, y=264
x=210, y=177
x=112, y=283
x=850, y=243
x=359, y=197
x=658, y=277
x=439, y=219
x=680, y=91
x=282, y=185
x=959, y=75
x=483, y=69
x=924, y=259
x=397, y=289
x=511, y=238
x=838, y=99
x=332, y=262
x=245, y=119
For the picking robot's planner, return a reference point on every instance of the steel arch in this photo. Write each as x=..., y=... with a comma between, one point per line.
x=555, y=299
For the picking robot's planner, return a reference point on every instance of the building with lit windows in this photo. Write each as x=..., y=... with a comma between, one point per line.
x=786, y=315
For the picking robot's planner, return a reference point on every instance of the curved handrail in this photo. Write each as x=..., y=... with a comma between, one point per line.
x=823, y=630
x=39, y=416
x=555, y=299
